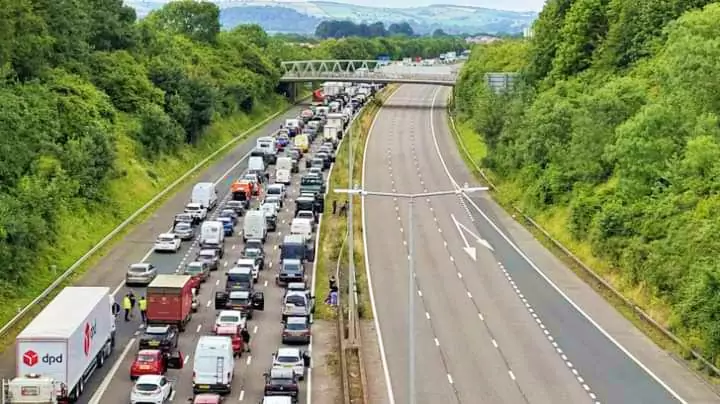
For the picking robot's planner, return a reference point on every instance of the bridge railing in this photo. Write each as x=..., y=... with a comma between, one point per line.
x=294, y=76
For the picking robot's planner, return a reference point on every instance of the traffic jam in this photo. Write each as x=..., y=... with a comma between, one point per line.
x=286, y=178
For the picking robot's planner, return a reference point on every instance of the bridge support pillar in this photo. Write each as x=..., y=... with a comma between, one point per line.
x=290, y=90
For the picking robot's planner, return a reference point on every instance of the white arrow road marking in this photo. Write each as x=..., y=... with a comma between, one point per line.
x=471, y=251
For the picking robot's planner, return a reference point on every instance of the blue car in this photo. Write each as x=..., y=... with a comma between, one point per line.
x=227, y=225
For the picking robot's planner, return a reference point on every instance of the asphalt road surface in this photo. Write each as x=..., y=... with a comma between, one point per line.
x=489, y=329
x=112, y=384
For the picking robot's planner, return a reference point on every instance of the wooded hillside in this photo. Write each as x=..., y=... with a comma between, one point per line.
x=99, y=112
x=612, y=141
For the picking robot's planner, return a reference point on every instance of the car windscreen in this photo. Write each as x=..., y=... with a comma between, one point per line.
x=296, y=326
x=183, y=227
x=239, y=300
x=239, y=278
x=137, y=270
x=193, y=269
x=311, y=181
x=295, y=300
x=229, y=319
x=292, y=251
x=146, y=358
x=291, y=267
x=192, y=208
x=273, y=191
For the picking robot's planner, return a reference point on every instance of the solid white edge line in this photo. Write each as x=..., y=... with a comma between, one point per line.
x=383, y=357
x=539, y=271
x=106, y=382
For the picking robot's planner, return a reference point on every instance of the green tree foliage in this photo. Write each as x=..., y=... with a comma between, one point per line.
x=343, y=29
x=614, y=127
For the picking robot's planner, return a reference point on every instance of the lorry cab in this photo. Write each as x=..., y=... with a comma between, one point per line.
x=242, y=191
x=297, y=247
x=214, y=365
x=268, y=144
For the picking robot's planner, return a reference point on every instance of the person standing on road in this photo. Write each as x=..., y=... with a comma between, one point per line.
x=127, y=306
x=245, y=335
x=142, y=305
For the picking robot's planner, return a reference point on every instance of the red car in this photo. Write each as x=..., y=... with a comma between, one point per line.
x=207, y=399
x=148, y=362
x=233, y=332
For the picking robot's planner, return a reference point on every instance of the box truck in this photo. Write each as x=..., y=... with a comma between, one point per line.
x=169, y=298
x=60, y=349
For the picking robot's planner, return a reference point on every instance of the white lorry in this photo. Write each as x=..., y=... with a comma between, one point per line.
x=60, y=349
x=337, y=120
x=330, y=134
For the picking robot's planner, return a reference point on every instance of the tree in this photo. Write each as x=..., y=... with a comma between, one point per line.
x=198, y=20
x=402, y=28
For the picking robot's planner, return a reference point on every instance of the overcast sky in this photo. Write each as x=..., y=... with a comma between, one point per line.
x=514, y=5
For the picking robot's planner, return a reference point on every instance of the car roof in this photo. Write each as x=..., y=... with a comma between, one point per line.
x=239, y=270
x=281, y=373
x=245, y=261
x=296, y=320
x=276, y=186
x=193, y=205
x=168, y=235
x=157, y=329
x=288, y=352
x=150, y=379
x=208, y=251
x=296, y=285
x=253, y=240
x=224, y=219
x=230, y=313
x=148, y=352
x=144, y=265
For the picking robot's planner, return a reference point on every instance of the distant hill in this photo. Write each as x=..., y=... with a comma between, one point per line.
x=303, y=16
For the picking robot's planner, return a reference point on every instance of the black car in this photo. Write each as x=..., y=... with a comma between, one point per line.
x=282, y=382
x=231, y=213
x=237, y=206
x=163, y=337
x=291, y=270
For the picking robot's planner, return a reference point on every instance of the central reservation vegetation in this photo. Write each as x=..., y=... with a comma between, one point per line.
x=612, y=141
x=99, y=112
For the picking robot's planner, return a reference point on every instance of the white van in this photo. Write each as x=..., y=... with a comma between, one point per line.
x=256, y=165
x=268, y=145
x=284, y=163
x=302, y=227
x=212, y=233
x=283, y=176
x=255, y=226
x=214, y=365
x=205, y=194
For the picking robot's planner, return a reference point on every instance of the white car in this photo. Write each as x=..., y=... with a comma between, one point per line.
x=276, y=190
x=230, y=318
x=292, y=358
x=196, y=210
x=316, y=170
x=252, y=264
x=155, y=389
x=167, y=242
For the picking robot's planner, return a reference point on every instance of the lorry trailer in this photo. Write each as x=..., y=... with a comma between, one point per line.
x=57, y=353
x=170, y=299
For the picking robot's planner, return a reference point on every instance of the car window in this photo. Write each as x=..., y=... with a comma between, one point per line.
x=287, y=359
x=295, y=300
x=229, y=319
x=137, y=270
x=296, y=326
x=145, y=358
x=146, y=387
x=163, y=381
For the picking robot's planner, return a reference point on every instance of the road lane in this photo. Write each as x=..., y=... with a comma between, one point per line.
x=604, y=367
x=265, y=327
x=541, y=374
x=110, y=269
x=476, y=368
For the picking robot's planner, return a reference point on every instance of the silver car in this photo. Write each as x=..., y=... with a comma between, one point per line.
x=184, y=230
x=140, y=274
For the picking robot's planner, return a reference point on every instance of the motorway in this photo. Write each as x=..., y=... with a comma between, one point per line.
x=111, y=384
x=491, y=329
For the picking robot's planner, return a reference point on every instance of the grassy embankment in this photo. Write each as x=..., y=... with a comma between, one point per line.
x=334, y=228
x=138, y=181
x=555, y=222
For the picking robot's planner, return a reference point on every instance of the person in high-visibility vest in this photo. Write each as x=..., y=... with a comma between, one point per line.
x=142, y=305
x=127, y=305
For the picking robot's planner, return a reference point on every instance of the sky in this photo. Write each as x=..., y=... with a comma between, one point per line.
x=512, y=5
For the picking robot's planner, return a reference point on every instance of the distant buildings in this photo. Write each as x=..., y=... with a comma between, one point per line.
x=481, y=39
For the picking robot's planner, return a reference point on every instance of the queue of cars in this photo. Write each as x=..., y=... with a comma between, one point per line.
x=257, y=197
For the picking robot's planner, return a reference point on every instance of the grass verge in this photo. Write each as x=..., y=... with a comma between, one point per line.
x=137, y=181
x=334, y=227
x=554, y=221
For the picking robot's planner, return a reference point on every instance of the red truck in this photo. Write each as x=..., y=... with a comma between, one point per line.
x=170, y=300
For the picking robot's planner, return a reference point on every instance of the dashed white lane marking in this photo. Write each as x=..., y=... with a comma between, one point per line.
x=437, y=343
x=208, y=303
x=450, y=379
x=255, y=330
x=495, y=344
x=217, y=282
x=198, y=328
x=512, y=375
x=249, y=360
x=265, y=284
x=242, y=395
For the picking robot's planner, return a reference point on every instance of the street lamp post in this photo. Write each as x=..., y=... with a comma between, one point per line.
x=411, y=263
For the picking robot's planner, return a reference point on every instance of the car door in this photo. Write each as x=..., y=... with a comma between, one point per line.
x=165, y=387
